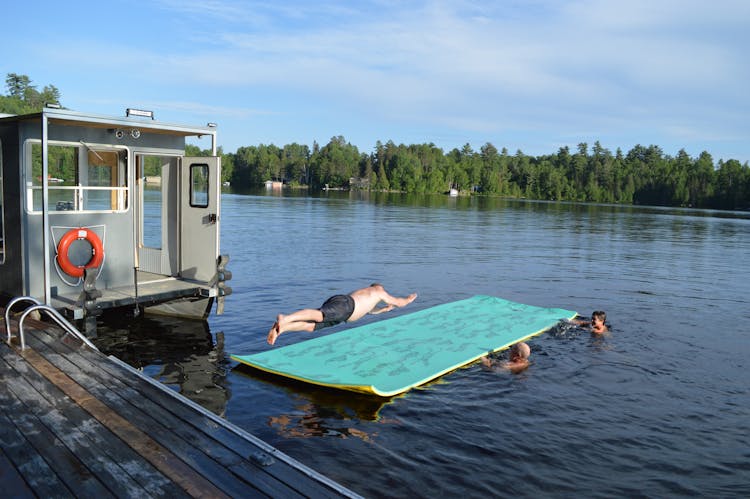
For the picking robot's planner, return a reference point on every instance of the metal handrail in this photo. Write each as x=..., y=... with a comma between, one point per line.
x=9, y=306
x=53, y=314
x=78, y=192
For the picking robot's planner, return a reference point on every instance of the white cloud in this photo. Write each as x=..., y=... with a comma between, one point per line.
x=673, y=67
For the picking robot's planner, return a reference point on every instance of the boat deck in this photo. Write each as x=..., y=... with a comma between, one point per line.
x=76, y=423
x=152, y=288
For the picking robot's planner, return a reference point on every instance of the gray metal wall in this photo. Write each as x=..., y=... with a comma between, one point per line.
x=23, y=271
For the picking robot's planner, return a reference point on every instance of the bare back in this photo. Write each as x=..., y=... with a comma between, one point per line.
x=366, y=299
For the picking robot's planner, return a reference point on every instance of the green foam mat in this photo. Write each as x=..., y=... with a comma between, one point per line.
x=391, y=356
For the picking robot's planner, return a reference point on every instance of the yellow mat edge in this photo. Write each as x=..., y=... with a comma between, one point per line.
x=372, y=390
x=353, y=388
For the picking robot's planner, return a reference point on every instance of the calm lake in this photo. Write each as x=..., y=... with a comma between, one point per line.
x=658, y=408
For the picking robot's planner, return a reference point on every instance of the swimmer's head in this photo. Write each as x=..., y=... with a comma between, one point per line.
x=599, y=315
x=519, y=351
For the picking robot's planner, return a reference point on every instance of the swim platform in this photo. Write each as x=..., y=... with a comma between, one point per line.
x=392, y=356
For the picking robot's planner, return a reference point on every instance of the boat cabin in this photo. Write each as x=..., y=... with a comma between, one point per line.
x=107, y=212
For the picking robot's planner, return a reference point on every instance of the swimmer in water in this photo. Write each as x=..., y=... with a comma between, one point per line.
x=597, y=322
x=518, y=359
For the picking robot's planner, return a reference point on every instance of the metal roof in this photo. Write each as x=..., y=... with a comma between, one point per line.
x=75, y=118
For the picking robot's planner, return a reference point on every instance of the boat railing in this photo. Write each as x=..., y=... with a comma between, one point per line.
x=51, y=312
x=79, y=201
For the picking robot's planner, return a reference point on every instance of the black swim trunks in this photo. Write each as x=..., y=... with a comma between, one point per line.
x=336, y=310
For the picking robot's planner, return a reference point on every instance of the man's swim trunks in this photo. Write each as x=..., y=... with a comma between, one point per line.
x=336, y=310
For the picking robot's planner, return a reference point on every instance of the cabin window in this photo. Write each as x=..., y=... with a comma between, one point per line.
x=2, y=209
x=199, y=186
x=79, y=178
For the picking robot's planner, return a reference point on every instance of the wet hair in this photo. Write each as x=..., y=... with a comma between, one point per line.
x=599, y=314
x=375, y=284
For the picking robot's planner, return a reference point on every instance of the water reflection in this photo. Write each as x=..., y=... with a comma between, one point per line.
x=179, y=353
x=673, y=282
x=319, y=411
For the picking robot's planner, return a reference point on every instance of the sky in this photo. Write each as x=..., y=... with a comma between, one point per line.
x=531, y=75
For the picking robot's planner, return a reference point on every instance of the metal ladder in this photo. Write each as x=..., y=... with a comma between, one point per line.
x=51, y=312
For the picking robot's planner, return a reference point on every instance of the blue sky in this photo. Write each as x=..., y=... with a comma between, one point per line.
x=531, y=75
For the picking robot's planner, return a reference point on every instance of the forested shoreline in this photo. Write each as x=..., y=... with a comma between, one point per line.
x=644, y=175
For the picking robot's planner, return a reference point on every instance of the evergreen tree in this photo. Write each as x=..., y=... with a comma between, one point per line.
x=24, y=98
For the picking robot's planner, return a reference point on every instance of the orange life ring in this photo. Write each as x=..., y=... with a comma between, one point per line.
x=97, y=251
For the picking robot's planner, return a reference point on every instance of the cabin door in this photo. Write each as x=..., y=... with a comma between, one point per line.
x=199, y=217
x=157, y=214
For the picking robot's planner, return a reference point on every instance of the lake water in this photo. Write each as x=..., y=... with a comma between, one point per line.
x=658, y=408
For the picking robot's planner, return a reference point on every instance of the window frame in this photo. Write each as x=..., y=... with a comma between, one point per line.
x=119, y=194
x=194, y=203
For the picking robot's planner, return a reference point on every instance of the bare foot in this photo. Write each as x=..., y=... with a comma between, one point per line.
x=273, y=333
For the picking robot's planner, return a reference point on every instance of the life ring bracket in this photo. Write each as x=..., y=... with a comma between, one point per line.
x=63, y=248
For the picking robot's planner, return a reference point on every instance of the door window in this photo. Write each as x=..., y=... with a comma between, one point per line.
x=199, y=186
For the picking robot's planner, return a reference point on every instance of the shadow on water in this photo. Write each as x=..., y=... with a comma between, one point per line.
x=318, y=411
x=181, y=354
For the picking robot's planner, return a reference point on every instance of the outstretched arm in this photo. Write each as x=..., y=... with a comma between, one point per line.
x=392, y=302
x=380, y=310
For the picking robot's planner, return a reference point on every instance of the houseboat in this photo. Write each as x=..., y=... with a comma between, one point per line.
x=81, y=230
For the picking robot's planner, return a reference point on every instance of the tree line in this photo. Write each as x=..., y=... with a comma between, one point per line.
x=644, y=175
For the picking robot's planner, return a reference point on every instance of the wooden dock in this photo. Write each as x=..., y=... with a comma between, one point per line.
x=76, y=423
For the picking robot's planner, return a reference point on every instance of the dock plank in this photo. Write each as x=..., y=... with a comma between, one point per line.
x=305, y=480
x=126, y=435
x=96, y=427
x=282, y=467
x=28, y=465
x=142, y=412
x=13, y=483
x=84, y=454
x=155, y=413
